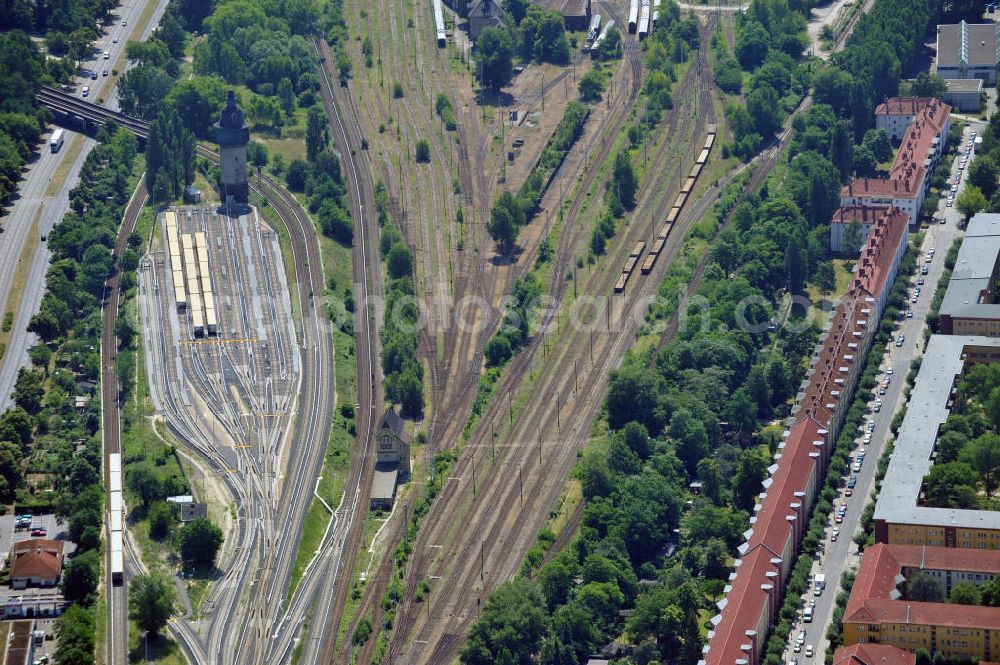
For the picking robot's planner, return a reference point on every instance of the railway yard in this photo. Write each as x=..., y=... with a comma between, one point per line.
x=234, y=307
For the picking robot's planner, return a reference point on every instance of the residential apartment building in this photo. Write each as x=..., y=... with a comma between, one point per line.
x=877, y=611
x=779, y=520
x=921, y=146
x=865, y=217
x=900, y=519
x=971, y=304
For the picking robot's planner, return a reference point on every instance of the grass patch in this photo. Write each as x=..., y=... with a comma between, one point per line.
x=312, y=534
x=20, y=277
x=361, y=563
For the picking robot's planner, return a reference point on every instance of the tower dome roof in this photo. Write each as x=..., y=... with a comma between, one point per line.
x=232, y=116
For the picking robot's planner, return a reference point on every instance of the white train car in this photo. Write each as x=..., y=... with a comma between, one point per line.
x=655, y=20
x=643, y=19
x=633, y=15
x=595, y=28
x=442, y=37
x=117, y=558
x=595, y=49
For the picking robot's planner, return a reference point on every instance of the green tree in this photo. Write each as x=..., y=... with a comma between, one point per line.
x=257, y=154
x=591, y=86
x=497, y=351
x=144, y=483
x=623, y=179
x=495, y=53
x=983, y=175
x=399, y=262
x=556, y=580
x=422, y=152
x=877, y=140
x=298, y=172
x=501, y=227
x=990, y=592
x=965, y=593
x=286, y=95
x=970, y=201
x=928, y=85
x=29, y=389
x=764, y=109
x=752, y=45
x=751, y=470
x=316, y=132
x=951, y=485
x=796, y=264
x=983, y=455
x=80, y=577
x=513, y=619
x=825, y=277
x=922, y=587
x=151, y=602
x=161, y=519
x=200, y=542
x=842, y=150
x=853, y=237
x=76, y=630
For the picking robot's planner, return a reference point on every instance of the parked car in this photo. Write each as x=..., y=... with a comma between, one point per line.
x=809, y=650
x=834, y=534
x=39, y=533
x=855, y=467
x=852, y=481
x=848, y=492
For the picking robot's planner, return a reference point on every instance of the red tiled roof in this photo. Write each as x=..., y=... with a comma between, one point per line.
x=873, y=654
x=37, y=558
x=903, y=105
x=805, y=446
x=907, y=174
x=880, y=250
x=873, y=601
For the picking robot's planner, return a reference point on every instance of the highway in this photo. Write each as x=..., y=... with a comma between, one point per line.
x=842, y=556
x=38, y=198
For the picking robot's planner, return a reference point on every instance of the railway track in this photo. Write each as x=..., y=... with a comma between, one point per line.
x=117, y=629
x=489, y=522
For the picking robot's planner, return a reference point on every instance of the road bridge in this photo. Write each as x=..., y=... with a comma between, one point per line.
x=76, y=112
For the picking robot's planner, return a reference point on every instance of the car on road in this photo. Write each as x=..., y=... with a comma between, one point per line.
x=949, y=203
x=114, y=41
x=909, y=313
x=888, y=370
x=809, y=650
x=801, y=639
x=797, y=648
x=107, y=54
x=85, y=92
x=899, y=340
x=852, y=481
x=913, y=299
x=920, y=282
x=93, y=76
x=855, y=467
x=839, y=519
x=834, y=534
x=105, y=72
x=881, y=390
x=39, y=533
x=848, y=492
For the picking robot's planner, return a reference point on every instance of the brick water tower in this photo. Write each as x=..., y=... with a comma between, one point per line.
x=232, y=133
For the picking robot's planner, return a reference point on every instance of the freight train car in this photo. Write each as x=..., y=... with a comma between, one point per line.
x=633, y=15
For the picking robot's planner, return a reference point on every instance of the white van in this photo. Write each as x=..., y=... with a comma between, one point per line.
x=86, y=91
x=807, y=615
x=107, y=54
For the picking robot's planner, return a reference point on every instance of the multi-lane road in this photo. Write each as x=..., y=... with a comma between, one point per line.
x=43, y=195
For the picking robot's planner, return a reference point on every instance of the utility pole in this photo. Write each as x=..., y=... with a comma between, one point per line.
x=510, y=407
x=482, y=558
x=520, y=481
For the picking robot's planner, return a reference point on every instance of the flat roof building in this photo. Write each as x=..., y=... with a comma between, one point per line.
x=971, y=305
x=878, y=612
x=964, y=94
x=968, y=51
x=899, y=517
